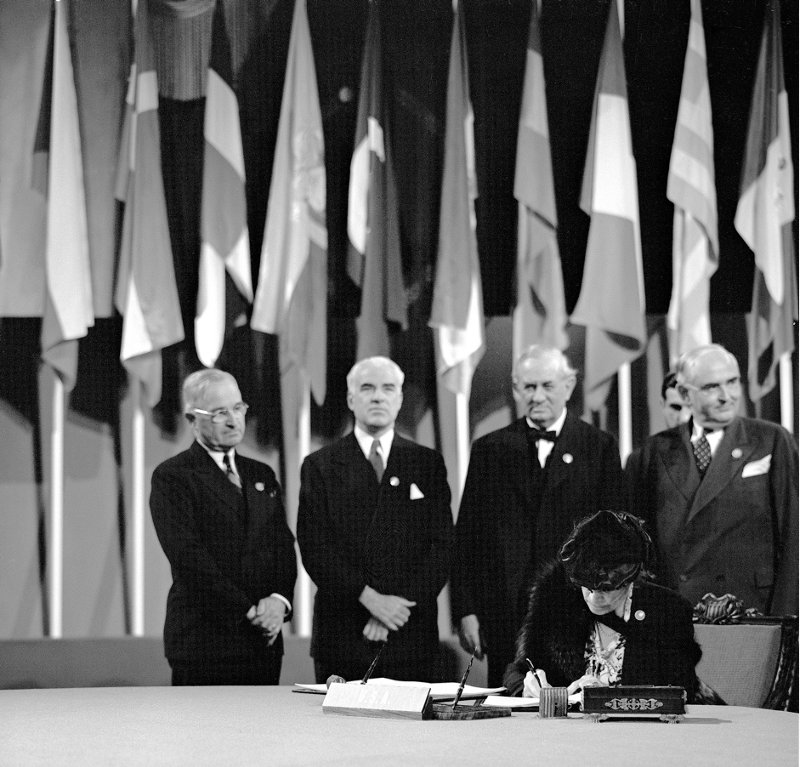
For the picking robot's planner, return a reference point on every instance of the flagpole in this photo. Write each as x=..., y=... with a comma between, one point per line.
x=787, y=392
x=55, y=559
x=296, y=419
x=624, y=406
x=137, y=512
x=462, y=442
x=303, y=611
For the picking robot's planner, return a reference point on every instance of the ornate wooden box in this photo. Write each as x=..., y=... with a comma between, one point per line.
x=666, y=703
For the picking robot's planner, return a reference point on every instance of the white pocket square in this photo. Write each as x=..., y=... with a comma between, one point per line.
x=754, y=468
x=415, y=493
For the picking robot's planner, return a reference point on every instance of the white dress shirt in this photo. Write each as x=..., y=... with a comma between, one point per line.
x=545, y=446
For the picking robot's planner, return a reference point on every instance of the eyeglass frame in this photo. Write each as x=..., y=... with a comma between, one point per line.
x=221, y=414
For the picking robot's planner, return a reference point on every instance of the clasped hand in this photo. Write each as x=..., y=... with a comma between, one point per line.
x=392, y=611
x=267, y=616
x=388, y=613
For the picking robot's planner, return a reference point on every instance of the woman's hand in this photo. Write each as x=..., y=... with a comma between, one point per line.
x=533, y=683
x=587, y=680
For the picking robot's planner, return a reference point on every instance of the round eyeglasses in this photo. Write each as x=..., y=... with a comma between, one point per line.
x=221, y=414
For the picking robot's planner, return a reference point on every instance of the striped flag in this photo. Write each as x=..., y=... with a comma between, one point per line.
x=766, y=211
x=540, y=315
x=373, y=214
x=146, y=294
x=457, y=310
x=690, y=186
x=225, y=243
x=58, y=168
x=611, y=302
x=292, y=294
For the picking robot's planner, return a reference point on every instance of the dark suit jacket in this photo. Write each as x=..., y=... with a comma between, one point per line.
x=224, y=557
x=660, y=648
x=501, y=539
x=736, y=532
x=354, y=532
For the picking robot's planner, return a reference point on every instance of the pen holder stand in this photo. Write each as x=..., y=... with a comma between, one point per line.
x=553, y=702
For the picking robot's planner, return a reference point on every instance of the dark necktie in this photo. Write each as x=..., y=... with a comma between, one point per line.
x=375, y=459
x=232, y=476
x=537, y=434
x=702, y=454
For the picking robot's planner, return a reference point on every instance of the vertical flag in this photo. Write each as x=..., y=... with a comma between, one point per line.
x=690, y=186
x=540, y=315
x=373, y=225
x=291, y=299
x=146, y=294
x=225, y=244
x=766, y=211
x=611, y=302
x=68, y=310
x=457, y=310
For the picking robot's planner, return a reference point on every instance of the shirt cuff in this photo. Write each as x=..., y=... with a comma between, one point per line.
x=285, y=601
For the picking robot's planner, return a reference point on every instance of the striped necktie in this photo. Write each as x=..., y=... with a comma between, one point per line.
x=232, y=476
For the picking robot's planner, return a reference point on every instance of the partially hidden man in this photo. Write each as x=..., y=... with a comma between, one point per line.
x=527, y=484
x=220, y=519
x=375, y=531
x=721, y=492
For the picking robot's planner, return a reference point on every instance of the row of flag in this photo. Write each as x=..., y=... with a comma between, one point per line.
x=290, y=296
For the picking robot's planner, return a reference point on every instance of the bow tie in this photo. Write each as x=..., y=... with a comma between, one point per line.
x=537, y=434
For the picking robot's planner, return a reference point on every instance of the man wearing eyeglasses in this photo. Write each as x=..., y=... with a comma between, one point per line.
x=220, y=519
x=723, y=493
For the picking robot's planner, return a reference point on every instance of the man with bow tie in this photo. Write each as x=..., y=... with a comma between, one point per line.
x=220, y=519
x=526, y=486
x=375, y=528
x=722, y=491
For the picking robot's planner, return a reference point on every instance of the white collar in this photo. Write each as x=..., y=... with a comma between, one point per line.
x=365, y=440
x=713, y=437
x=219, y=457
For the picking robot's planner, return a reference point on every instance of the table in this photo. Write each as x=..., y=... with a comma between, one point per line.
x=276, y=726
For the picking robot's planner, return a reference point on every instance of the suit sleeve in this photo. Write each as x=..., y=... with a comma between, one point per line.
x=283, y=564
x=173, y=507
x=784, y=489
x=318, y=540
x=433, y=571
x=469, y=571
x=612, y=491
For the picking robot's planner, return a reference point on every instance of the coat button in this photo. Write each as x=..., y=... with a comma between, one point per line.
x=683, y=578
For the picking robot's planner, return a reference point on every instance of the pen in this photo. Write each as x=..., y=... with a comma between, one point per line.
x=373, y=664
x=533, y=671
x=460, y=690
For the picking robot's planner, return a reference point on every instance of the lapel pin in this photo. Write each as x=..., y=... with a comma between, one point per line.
x=567, y=458
x=394, y=482
x=736, y=453
x=639, y=615
x=260, y=487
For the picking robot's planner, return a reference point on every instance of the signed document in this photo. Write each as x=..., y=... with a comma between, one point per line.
x=439, y=690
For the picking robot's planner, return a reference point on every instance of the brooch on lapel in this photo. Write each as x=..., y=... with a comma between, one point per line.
x=639, y=615
x=260, y=487
x=567, y=458
x=394, y=482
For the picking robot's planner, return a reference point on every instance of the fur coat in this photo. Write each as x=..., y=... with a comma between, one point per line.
x=660, y=646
